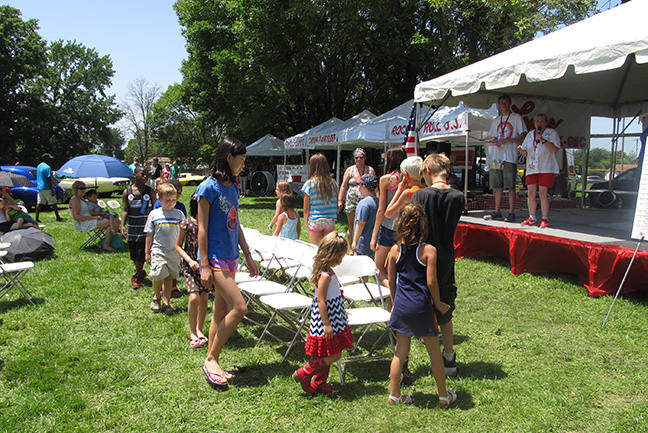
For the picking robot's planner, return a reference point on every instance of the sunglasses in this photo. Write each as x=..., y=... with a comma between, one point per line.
x=359, y=157
x=81, y=187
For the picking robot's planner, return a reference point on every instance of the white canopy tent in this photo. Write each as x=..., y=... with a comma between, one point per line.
x=269, y=145
x=599, y=64
x=299, y=141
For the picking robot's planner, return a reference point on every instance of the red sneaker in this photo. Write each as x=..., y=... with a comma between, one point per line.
x=529, y=222
x=136, y=283
x=544, y=223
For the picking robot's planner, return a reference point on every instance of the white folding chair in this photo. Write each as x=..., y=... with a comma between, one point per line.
x=359, y=269
x=363, y=267
x=102, y=204
x=293, y=308
x=12, y=275
x=114, y=206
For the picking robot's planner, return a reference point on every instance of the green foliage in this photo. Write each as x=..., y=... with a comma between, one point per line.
x=599, y=159
x=54, y=98
x=258, y=66
x=91, y=357
x=182, y=132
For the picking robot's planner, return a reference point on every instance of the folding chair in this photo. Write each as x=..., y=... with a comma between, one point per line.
x=359, y=269
x=12, y=274
x=114, y=206
x=282, y=305
x=94, y=238
x=363, y=267
x=101, y=204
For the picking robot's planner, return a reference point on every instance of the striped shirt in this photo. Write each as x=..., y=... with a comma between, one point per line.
x=139, y=207
x=319, y=208
x=164, y=225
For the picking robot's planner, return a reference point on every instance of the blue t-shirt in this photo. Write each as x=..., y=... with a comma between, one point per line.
x=222, y=236
x=178, y=205
x=43, y=172
x=366, y=211
x=319, y=207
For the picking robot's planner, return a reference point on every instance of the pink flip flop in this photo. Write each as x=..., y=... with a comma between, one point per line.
x=214, y=379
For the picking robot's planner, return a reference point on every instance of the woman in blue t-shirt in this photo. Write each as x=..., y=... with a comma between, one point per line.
x=219, y=237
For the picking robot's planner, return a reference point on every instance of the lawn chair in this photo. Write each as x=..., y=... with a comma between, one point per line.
x=11, y=275
x=95, y=237
x=102, y=204
x=363, y=267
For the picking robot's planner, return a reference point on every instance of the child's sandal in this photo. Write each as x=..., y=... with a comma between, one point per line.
x=403, y=399
x=449, y=400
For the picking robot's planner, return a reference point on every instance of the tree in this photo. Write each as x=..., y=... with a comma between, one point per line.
x=112, y=144
x=53, y=96
x=22, y=61
x=180, y=132
x=272, y=66
x=138, y=109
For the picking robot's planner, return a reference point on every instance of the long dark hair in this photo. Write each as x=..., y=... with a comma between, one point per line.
x=220, y=168
x=393, y=159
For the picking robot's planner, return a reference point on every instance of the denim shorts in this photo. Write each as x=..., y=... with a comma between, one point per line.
x=386, y=237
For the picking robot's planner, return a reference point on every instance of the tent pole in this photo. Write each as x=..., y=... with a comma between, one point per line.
x=337, y=165
x=466, y=172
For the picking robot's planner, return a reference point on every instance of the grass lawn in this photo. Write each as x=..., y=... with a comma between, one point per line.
x=533, y=357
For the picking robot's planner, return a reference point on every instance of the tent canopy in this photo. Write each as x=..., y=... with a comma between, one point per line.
x=299, y=141
x=329, y=138
x=269, y=145
x=601, y=61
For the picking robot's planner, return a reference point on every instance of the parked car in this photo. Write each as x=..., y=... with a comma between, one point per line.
x=105, y=186
x=28, y=193
x=625, y=185
x=594, y=178
x=190, y=179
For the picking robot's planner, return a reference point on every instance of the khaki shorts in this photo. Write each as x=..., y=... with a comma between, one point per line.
x=164, y=265
x=46, y=196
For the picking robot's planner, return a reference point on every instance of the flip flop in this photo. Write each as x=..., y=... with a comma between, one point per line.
x=195, y=343
x=227, y=375
x=214, y=379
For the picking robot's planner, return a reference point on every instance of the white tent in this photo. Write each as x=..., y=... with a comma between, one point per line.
x=328, y=138
x=379, y=129
x=299, y=141
x=599, y=64
x=269, y=145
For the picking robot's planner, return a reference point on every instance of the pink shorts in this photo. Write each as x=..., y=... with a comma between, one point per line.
x=324, y=225
x=542, y=179
x=230, y=266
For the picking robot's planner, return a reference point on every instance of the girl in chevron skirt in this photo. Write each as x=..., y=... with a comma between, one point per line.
x=329, y=331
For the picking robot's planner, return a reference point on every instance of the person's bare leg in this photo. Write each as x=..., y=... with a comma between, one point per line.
x=228, y=297
x=315, y=237
x=202, y=313
x=351, y=221
x=436, y=362
x=544, y=201
x=193, y=313
x=157, y=289
x=511, y=197
x=499, y=193
x=381, y=258
x=396, y=368
x=531, y=199
x=166, y=291
x=447, y=333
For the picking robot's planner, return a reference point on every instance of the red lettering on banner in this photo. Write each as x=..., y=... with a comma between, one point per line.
x=573, y=142
x=399, y=130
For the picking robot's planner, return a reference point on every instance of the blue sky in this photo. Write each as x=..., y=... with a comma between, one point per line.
x=144, y=39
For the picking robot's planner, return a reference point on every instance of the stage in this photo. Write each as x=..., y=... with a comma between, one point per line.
x=593, y=244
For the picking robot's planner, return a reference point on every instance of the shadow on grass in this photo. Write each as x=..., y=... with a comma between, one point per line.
x=18, y=303
x=473, y=370
x=464, y=400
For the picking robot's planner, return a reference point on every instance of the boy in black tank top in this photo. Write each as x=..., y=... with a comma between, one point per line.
x=137, y=203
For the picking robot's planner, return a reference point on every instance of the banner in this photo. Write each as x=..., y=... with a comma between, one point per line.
x=459, y=159
x=292, y=173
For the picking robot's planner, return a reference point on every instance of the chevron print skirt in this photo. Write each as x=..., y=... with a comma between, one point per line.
x=317, y=344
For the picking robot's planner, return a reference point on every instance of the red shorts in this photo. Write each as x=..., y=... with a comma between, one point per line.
x=542, y=179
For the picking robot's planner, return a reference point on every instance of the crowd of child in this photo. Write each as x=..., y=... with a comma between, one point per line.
x=411, y=243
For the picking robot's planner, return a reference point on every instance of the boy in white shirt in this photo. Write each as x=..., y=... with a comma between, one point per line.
x=540, y=147
x=162, y=227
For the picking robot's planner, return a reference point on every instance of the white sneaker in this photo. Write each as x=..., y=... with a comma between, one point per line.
x=155, y=305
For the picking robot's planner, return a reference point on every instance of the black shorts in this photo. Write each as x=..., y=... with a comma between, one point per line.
x=5, y=226
x=448, y=295
x=137, y=251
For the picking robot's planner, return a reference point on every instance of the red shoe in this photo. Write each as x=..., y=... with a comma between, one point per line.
x=544, y=223
x=529, y=222
x=319, y=382
x=304, y=375
x=175, y=293
x=135, y=281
